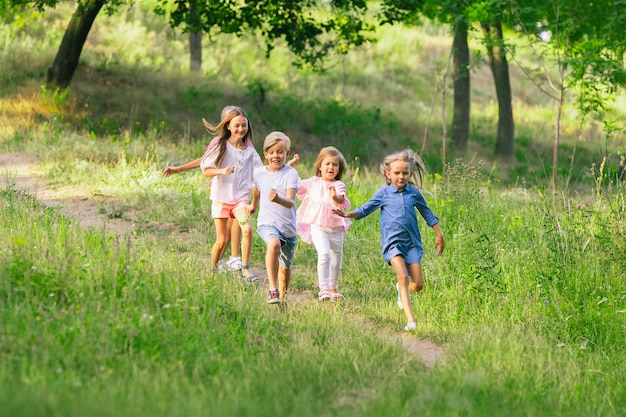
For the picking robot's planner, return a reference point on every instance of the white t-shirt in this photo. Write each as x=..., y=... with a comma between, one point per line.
x=274, y=214
x=238, y=185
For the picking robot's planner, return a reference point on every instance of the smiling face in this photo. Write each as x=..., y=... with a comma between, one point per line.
x=238, y=127
x=329, y=168
x=398, y=173
x=276, y=156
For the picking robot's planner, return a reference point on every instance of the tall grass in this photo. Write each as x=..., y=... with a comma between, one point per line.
x=528, y=303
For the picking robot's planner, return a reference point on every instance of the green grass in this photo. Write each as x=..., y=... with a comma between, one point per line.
x=528, y=301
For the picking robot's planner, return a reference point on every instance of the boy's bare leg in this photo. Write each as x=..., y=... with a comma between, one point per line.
x=271, y=261
x=284, y=276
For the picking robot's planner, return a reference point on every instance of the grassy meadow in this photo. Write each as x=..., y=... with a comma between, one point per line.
x=528, y=301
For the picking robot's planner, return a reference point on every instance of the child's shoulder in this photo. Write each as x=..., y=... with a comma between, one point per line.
x=213, y=142
x=289, y=170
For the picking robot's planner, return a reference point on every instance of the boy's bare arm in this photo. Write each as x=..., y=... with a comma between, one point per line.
x=288, y=201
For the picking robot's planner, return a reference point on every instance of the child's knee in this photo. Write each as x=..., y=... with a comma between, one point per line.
x=273, y=245
x=246, y=228
x=415, y=286
x=222, y=241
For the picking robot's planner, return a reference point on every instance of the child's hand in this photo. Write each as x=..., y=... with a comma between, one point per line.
x=229, y=170
x=440, y=244
x=293, y=161
x=169, y=171
x=332, y=192
x=272, y=195
x=339, y=212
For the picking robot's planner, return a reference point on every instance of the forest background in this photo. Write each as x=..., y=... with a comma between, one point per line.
x=527, y=304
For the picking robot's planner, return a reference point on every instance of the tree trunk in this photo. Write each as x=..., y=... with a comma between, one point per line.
x=461, y=116
x=195, y=39
x=195, y=51
x=62, y=71
x=500, y=70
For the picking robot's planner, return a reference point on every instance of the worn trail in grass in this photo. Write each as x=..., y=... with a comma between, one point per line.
x=79, y=203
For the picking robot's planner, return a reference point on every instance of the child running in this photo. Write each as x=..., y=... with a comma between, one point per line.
x=316, y=222
x=275, y=190
x=401, y=239
x=231, y=161
x=234, y=261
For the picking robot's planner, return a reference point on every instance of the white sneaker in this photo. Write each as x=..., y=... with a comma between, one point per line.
x=399, y=301
x=221, y=267
x=234, y=264
x=411, y=326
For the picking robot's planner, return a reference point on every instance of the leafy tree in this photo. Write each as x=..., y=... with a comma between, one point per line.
x=311, y=29
x=62, y=71
x=460, y=15
x=585, y=41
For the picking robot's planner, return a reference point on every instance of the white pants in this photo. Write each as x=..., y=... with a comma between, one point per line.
x=328, y=242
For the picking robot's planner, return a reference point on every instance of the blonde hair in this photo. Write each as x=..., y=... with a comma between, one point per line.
x=417, y=168
x=328, y=152
x=275, y=137
x=227, y=114
x=227, y=110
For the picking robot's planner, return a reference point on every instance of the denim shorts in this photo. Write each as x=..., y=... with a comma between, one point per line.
x=287, y=244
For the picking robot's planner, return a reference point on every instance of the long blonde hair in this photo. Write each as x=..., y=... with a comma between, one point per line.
x=417, y=168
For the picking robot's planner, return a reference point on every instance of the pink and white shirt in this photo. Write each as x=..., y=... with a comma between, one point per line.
x=238, y=185
x=316, y=207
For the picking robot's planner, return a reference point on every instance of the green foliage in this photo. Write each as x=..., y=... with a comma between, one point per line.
x=56, y=98
x=312, y=30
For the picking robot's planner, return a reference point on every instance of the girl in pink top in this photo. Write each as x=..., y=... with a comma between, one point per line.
x=316, y=222
x=232, y=162
x=234, y=262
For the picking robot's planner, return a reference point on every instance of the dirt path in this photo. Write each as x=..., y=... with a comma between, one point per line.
x=74, y=201
x=79, y=203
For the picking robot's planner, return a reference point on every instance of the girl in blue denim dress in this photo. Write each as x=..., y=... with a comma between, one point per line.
x=400, y=235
